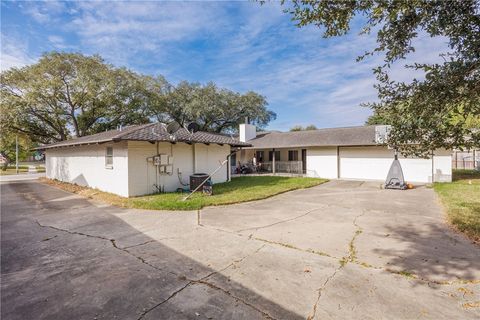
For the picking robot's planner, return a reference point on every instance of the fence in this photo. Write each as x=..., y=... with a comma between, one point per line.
x=465, y=164
x=295, y=167
x=466, y=159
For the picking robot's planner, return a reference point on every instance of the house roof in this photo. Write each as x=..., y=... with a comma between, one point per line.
x=350, y=136
x=152, y=132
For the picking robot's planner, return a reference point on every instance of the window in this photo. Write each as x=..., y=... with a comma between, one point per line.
x=259, y=156
x=277, y=155
x=109, y=157
x=292, y=155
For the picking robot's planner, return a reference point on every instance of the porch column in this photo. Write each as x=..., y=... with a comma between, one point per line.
x=229, y=167
x=273, y=160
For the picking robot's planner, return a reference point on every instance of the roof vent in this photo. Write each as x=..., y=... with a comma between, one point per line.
x=193, y=127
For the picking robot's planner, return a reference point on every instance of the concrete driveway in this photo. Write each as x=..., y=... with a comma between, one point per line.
x=340, y=250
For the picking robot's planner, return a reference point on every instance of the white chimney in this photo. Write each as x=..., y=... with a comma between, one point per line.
x=247, y=132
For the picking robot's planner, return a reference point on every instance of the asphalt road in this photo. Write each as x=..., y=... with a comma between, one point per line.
x=337, y=251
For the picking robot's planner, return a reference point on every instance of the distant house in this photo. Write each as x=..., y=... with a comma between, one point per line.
x=138, y=160
x=337, y=153
x=3, y=159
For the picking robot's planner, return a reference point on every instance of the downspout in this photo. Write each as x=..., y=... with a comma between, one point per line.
x=229, y=165
x=194, y=159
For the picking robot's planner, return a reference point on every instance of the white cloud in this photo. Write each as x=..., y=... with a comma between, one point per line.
x=121, y=30
x=13, y=54
x=242, y=46
x=42, y=12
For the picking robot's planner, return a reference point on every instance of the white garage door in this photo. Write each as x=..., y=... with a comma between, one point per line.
x=373, y=163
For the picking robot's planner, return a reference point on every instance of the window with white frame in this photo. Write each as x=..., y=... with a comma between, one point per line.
x=109, y=157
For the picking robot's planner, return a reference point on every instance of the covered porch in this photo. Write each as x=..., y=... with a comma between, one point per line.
x=290, y=161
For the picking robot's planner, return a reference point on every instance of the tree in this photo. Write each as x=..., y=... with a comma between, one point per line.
x=214, y=109
x=67, y=95
x=296, y=128
x=377, y=118
x=432, y=111
x=8, y=146
x=300, y=128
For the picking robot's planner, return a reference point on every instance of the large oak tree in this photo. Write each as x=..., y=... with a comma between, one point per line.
x=214, y=109
x=437, y=110
x=67, y=95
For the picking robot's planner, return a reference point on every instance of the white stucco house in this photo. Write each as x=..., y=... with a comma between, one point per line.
x=139, y=160
x=357, y=153
x=146, y=159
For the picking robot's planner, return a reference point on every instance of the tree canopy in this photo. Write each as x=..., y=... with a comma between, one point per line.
x=67, y=95
x=434, y=110
x=213, y=109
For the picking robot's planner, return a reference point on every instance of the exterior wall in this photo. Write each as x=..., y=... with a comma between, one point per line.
x=131, y=174
x=365, y=163
x=85, y=166
x=442, y=165
x=143, y=175
x=373, y=163
x=322, y=162
x=245, y=155
x=208, y=158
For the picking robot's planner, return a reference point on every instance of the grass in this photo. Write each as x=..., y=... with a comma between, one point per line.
x=240, y=189
x=10, y=171
x=461, y=199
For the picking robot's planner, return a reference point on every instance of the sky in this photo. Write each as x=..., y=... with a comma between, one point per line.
x=242, y=46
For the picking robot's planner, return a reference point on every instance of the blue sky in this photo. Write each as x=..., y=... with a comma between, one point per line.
x=239, y=45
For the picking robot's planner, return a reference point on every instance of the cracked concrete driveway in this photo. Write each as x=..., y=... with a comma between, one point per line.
x=339, y=250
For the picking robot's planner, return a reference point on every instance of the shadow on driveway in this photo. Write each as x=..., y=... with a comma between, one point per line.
x=67, y=259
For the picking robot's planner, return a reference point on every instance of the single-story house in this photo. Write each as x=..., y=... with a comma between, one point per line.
x=338, y=153
x=139, y=160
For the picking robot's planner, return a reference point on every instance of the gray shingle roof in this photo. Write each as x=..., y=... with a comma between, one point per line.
x=351, y=136
x=152, y=132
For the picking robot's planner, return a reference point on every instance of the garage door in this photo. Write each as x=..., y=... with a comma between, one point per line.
x=373, y=163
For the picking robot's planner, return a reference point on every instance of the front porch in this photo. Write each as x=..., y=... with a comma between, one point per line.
x=281, y=161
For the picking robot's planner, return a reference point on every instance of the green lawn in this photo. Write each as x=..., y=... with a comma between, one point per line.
x=461, y=199
x=240, y=189
x=12, y=170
